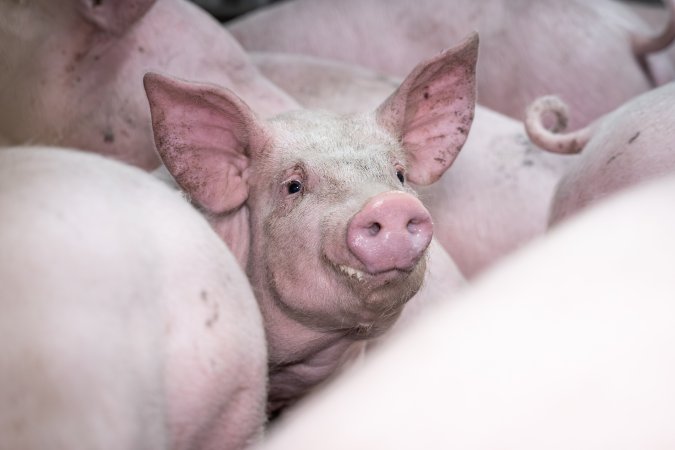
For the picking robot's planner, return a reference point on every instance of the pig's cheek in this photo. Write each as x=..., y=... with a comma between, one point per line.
x=299, y=273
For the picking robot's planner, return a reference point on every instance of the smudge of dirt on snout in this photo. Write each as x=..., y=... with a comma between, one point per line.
x=634, y=137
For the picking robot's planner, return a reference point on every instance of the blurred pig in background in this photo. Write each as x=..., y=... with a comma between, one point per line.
x=634, y=143
x=126, y=323
x=594, y=54
x=71, y=71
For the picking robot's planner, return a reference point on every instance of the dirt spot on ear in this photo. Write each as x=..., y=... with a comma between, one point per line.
x=635, y=136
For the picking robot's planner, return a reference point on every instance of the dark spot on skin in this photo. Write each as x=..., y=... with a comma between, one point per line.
x=213, y=306
x=214, y=317
x=632, y=139
x=97, y=57
x=141, y=49
x=96, y=3
x=528, y=163
x=78, y=79
x=612, y=158
x=426, y=95
x=461, y=130
x=108, y=137
x=440, y=160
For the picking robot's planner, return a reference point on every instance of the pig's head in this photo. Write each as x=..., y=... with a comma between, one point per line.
x=318, y=207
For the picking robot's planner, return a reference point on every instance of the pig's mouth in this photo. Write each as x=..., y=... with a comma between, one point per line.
x=383, y=277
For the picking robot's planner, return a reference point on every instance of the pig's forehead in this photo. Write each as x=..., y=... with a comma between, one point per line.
x=324, y=138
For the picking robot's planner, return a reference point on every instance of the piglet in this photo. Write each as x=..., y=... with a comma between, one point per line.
x=126, y=322
x=317, y=206
x=632, y=144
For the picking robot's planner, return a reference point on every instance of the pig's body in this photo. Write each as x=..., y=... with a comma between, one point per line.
x=657, y=16
x=568, y=344
x=318, y=206
x=71, y=72
x=498, y=193
x=529, y=48
x=126, y=323
x=632, y=144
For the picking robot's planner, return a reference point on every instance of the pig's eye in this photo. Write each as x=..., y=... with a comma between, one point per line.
x=294, y=187
x=399, y=175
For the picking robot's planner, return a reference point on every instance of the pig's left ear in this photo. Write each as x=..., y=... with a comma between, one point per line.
x=431, y=112
x=205, y=136
x=113, y=16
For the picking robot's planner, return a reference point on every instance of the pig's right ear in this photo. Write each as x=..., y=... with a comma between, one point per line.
x=432, y=110
x=203, y=135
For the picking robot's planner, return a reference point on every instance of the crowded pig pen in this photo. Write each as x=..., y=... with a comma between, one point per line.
x=316, y=224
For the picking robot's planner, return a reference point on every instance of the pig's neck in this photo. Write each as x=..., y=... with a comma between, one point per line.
x=300, y=357
x=233, y=228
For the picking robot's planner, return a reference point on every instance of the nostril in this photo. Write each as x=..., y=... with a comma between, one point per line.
x=417, y=225
x=374, y=228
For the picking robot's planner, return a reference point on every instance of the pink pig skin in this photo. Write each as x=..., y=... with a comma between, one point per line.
x=526, y=359
x=657, y=16
x=126, y=323
x=286, y=195
x=497, y=195
x=584, y=51
x=630, y=145
x=71, y=71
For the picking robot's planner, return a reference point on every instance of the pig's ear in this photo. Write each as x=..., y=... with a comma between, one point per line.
x=431, y=112
x=113, y=16
x=203, y=135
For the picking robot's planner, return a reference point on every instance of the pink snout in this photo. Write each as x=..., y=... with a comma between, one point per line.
x=391, y=231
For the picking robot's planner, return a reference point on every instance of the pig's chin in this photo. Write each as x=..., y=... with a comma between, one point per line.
x=384, y=290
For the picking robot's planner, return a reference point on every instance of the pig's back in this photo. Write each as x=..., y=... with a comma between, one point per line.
x=111, y=288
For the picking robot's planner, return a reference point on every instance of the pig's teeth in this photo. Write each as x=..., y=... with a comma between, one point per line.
x=352, y=272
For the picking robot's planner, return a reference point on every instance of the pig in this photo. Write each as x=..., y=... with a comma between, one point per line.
x=530, y=47
x=321, y=83
x=567, y=344
x=657, y=16
x=341, y=181
x=634, y=143
x=496, y=197
x=71, y=71
x=126, y=322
